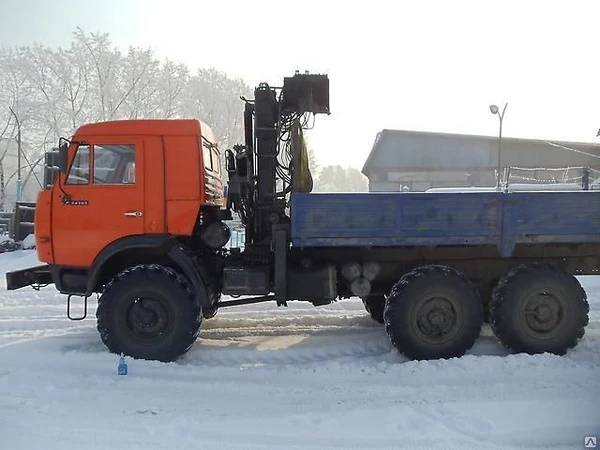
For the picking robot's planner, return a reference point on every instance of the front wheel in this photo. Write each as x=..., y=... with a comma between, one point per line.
x=433, y=312
x=149, y=312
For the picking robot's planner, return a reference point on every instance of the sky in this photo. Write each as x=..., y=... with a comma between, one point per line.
x=412, y=65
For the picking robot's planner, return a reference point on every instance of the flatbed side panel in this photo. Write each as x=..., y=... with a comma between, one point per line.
x=438, y=215
x=388, y=219
x=553, y=216
x=344, y=216
x=469, y=218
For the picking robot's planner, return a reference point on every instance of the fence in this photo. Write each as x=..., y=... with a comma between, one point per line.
x=586, y=177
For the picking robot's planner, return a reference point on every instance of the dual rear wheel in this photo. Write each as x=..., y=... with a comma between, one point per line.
x=435, y=312
x=539, y=308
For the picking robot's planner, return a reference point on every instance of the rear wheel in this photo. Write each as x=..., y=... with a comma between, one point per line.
x=149, y=312
x=374, y=304
x=539, y=308
x=433, y=312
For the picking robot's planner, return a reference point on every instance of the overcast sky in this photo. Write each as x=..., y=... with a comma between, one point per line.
x=418, y=65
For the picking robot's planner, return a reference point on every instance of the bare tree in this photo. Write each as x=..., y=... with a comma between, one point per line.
x=4, y=147
x=216, y=99
x=340, y=179
x=53, y=91
x=102, y=64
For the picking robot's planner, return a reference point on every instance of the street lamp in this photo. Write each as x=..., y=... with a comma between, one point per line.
x=496, y=111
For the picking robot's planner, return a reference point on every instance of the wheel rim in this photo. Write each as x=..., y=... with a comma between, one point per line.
x=437, y=319
x=542, y=313
x=147, y=318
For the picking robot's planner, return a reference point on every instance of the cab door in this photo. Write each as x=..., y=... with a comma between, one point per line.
x=100, y=201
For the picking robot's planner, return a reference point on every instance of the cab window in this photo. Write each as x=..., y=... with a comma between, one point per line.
x=216, y=161
x=208, y=164
x=80, y=169
x=114, y=164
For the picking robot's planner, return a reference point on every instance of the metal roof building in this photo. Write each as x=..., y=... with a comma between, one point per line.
x=418, y=160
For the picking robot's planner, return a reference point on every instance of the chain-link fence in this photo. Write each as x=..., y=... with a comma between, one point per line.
x=569, y=178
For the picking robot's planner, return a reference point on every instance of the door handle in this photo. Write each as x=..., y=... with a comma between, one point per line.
x=133, y=214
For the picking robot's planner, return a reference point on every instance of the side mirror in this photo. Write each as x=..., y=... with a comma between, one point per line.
x=63, y=156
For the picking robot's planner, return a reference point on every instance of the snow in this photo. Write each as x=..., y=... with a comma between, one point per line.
x=28, y=242
x=297, y=377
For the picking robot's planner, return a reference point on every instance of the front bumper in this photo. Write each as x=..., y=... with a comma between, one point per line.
x=33, y=276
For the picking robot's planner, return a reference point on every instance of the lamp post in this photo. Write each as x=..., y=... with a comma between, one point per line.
x=19, y=181
x=496, y=111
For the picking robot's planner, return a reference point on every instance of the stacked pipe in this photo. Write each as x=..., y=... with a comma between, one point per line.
x=360, y=276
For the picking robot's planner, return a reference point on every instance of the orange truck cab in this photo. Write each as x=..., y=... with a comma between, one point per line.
x=128, y=192
x=128, y=179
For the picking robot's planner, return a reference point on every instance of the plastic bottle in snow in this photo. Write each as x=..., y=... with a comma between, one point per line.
x=122, y=369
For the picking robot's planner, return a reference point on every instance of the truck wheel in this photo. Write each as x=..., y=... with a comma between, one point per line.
x=149, y=312
x=374, y=305
x=539, y=308
x=433, y=312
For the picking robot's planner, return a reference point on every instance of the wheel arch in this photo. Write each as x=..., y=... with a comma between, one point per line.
x=154, y=249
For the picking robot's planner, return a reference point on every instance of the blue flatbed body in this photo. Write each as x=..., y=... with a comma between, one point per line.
x=445, y=219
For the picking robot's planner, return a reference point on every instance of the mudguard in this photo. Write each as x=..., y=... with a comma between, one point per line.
x=128, y=243
x=182, y=258
x=166, y=245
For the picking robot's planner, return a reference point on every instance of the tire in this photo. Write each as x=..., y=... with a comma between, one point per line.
x=433, y=312
x=539, y=308
x=149, y=312
x=374, y=304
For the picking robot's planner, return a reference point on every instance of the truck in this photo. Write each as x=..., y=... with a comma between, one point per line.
x=138, y=214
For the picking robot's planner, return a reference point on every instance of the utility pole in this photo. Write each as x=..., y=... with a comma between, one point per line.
x=19, y=180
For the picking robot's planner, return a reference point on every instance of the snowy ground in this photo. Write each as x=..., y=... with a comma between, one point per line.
x=285, y=378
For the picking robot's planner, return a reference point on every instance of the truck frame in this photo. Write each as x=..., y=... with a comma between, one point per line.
x=137, y=214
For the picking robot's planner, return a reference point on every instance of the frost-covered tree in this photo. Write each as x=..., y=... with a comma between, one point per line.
x=52, y=91
x=340, y=179
x=209, y=93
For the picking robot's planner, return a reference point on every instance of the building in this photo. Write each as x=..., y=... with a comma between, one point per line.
x=417, y=161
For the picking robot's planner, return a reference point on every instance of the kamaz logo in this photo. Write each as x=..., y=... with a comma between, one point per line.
x=66, y=201
x=590, y=442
